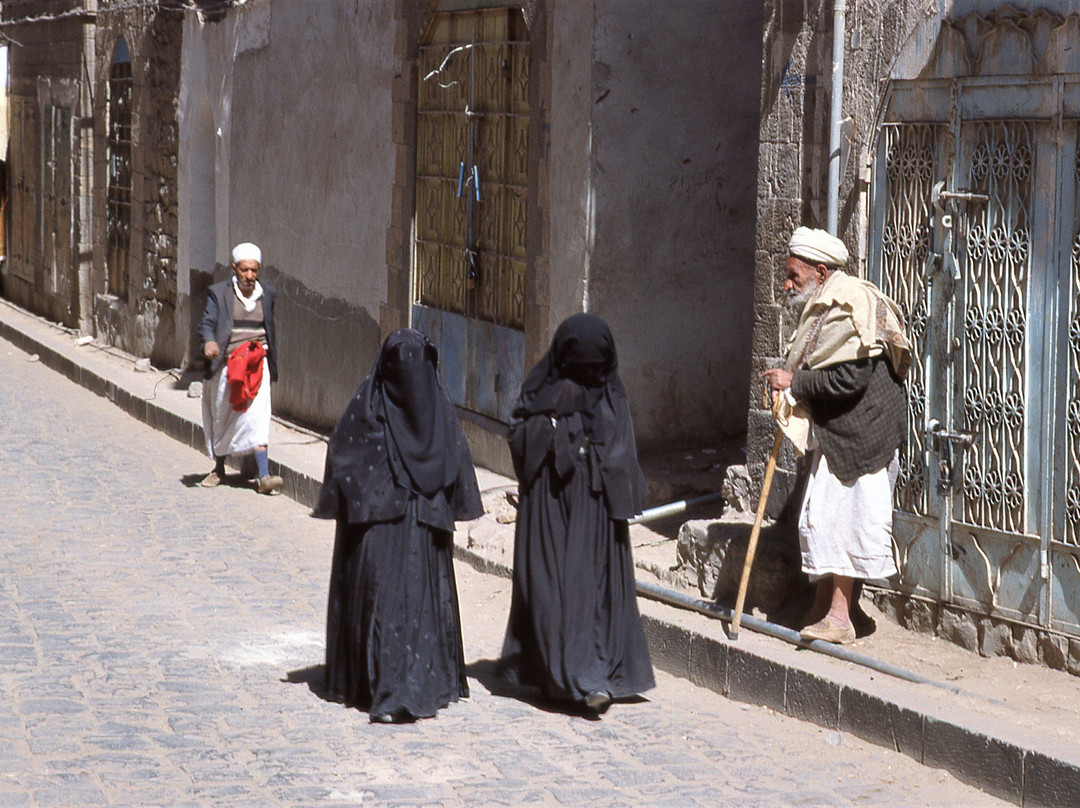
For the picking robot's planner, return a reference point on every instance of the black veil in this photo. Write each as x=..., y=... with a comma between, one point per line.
x=400, y=437
x=579, y=374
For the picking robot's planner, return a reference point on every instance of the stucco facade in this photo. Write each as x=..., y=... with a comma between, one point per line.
x=296, y=128
x=286, y=142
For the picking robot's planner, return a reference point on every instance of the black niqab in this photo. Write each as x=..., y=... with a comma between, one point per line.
x=399, y=436
x=579, y=374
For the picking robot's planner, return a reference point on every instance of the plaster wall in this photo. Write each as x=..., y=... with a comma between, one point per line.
x=674, y=103
x=311, y=175
x=204, y=112
x=570, y=157
x=651, y=200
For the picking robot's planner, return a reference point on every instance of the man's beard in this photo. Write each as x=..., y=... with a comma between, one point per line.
x=795, y=301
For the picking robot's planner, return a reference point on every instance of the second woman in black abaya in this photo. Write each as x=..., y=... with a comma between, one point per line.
x=398, y=473
x=574, y=630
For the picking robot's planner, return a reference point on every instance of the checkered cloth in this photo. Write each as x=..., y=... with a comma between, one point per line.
x=859, y=412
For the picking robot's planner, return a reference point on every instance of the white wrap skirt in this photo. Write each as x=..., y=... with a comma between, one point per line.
x=231, y=432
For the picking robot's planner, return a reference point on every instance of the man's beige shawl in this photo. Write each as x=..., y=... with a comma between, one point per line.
x=847, y=319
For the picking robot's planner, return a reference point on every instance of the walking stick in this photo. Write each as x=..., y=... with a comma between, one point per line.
x=751, y=547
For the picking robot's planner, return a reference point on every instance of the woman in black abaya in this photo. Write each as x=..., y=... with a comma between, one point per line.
x=398, y=473
x=575, y=631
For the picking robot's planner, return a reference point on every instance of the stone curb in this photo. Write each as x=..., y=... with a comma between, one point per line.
x=1024, y=776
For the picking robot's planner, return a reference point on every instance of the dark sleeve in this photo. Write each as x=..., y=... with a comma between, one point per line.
x=837, y=382
x=208, y=326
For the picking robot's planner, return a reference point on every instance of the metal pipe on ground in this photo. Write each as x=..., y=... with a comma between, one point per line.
x=673, y=508
x=680, y=600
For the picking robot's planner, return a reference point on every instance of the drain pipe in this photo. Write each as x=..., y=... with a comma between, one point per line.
x=835, y=99
x=678, y=599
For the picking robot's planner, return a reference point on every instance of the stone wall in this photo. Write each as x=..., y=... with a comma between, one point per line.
x=143, y=322
x=793, y=169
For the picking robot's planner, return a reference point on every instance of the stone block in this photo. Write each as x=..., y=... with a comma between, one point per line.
x=1049, y=782
x=996, y=638
x=737, y=490
x=709, y=664
x=94, y=383
x=1054, y=652
x=918, y=615
x=1025, y=644
x=766, y=265
x=760, y=431
x=669, y=646
x=756, y=680
x=987, y=763
x=882, y=722
x=766, y=342
x=812, y=698
x=1072, y=664
x=712, y=553
x=960, y=628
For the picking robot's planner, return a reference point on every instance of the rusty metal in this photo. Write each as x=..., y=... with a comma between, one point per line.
x=471, y=187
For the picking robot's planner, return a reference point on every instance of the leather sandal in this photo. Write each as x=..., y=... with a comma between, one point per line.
x=829, y=631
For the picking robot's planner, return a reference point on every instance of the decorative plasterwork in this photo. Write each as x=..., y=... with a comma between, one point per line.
x=1007, y=42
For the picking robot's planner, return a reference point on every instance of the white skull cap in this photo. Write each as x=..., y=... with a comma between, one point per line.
x=246, y=251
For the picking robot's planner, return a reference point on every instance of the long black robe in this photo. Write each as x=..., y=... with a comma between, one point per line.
x=574, y=624
x=398, y=473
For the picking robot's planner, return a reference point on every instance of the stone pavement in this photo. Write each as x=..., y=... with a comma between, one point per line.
x=143, y=646
x=158, y=640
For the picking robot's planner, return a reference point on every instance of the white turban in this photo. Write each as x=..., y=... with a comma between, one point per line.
x=246, y=252
x=817, y=247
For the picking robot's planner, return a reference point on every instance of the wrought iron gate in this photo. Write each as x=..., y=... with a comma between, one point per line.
x=471, y=184
x=976, y=234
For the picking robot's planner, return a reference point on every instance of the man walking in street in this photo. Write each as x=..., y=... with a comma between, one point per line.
x=840, y=398
x=237, y=335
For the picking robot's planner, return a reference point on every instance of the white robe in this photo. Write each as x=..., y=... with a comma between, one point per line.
x=846, y=528
x=228, y=431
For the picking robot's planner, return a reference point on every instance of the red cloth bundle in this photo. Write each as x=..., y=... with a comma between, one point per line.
x=244, y=371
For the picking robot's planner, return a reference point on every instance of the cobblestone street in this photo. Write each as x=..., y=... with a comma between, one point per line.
x=157, y=641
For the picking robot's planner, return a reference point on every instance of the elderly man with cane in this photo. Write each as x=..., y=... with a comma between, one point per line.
x=840, y=398
x=239, y=342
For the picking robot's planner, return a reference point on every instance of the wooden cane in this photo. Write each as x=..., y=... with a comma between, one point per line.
x=751, y=548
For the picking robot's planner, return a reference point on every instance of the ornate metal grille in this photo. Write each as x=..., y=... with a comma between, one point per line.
x=911, y=171
x=472, y=155
x=1071, y=533
x=993, y=380
x=118, y=219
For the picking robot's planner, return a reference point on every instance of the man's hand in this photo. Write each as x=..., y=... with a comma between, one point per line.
x=778, y=379
x=211, y=350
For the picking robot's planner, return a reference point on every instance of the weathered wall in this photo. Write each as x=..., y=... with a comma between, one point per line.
x=792, y=159
x=311, y=173
x=46, y=209
x=144, y=321
x=204, y=114
x=674, y=103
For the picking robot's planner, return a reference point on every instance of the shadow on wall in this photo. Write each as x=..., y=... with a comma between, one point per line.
x=325, y=348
